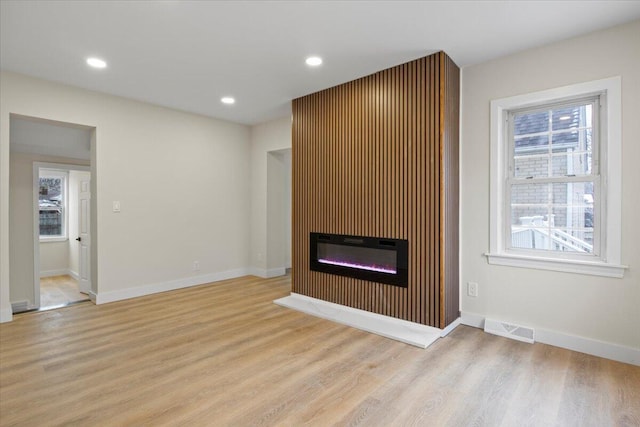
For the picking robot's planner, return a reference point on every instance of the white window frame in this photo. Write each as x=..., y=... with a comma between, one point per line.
x=64, y=175
x=607, y=262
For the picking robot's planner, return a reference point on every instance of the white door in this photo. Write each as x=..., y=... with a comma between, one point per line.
x=84, y=201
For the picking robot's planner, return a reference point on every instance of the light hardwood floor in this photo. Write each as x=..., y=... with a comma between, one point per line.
x=59, y=290
x=224, y=354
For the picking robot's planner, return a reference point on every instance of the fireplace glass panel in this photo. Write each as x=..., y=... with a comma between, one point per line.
x=371, y=259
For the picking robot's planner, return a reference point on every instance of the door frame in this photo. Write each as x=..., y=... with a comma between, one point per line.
x=36, y=217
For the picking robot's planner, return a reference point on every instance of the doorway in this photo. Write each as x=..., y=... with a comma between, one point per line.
x=278, y=212
x=50, y=166
x=61, y=238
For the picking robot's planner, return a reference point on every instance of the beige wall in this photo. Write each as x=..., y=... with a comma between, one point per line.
x=265, y=138
x=54, y=258
x=182, y=181
x=592, y=307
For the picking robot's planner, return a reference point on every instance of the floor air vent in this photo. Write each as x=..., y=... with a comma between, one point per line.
x=19, y=306
x=516, y=332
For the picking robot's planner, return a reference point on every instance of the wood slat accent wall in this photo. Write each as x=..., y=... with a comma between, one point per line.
x=378, y=157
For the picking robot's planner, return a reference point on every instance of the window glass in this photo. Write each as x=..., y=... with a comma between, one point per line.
x=551, y=207
x=51, y=205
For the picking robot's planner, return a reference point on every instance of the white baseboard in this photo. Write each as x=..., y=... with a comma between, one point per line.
x=402, y=330
x=58, y=272
x=268, y=273
x=603, y=349
x=154, y=288
x=74, y=274
x=6, y=315
x=590, y=346
x=472, y=319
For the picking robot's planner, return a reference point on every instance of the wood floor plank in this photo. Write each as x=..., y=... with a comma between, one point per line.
x=59, y=291
x=223, y=354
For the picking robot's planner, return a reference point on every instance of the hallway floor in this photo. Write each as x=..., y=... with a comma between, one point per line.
x=58, y=291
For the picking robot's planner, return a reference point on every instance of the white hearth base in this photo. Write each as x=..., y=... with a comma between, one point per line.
x=408, y=332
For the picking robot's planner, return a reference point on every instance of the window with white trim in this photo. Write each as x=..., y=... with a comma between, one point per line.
x=52, y=204
x=555, y=181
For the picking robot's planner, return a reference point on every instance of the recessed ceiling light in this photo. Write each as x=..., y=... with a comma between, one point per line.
x=96, y=63
x=314, y=61
x=227, y=100
x=565, y=117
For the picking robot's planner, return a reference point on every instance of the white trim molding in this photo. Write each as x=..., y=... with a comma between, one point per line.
x=401, y=330
x=554, y=264
x=585, y=345
x=448, y=329
x=58, y=272
x=154, y=288
x=608, y=262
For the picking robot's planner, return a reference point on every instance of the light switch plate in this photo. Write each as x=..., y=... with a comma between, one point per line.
x=116, y=206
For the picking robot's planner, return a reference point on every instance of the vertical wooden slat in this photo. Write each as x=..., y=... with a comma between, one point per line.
x=378, y=157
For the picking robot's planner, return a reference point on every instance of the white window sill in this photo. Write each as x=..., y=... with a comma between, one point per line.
x=564, y=265
x=53, y=239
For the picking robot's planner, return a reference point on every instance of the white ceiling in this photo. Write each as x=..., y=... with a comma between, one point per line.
x=188, y=54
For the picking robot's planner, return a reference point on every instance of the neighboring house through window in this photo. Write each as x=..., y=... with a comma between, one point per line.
x=52, y=204
x=555, y=179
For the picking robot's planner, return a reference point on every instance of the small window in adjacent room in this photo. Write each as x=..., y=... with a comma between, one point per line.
x=555, y=179
x=52, y=205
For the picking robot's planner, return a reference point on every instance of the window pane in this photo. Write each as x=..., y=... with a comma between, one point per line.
x=529, y=227
x=531, y=194
x=564, y=141
x=572, y=153
x=51, y=205
x=571, y=240
x=572, y=140
x=556, y=217
x=528, y=123
x=573, y=208
x=570, y=164
x=531, y=145
x=573, y=193
x=531, y=166
x=51, y=190
x=51, y=222
x=576, y=116
x=529, y=215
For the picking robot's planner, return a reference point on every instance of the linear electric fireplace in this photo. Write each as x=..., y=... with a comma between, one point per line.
x=367, y=258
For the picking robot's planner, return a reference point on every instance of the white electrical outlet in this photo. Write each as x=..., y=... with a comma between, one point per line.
x=196, y=265
x=472, y=289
